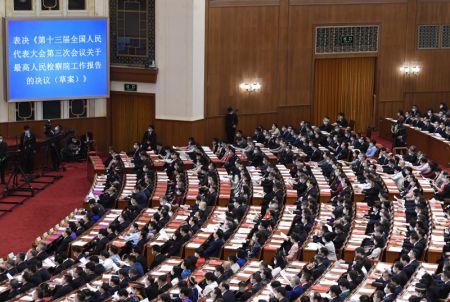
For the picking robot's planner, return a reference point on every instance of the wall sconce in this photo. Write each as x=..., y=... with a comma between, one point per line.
x=251, y=87
x=408, y=70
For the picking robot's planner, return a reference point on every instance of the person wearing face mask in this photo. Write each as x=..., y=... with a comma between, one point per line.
x=443, y=107
x=326, y=126
x=341, y=121
x=3, y=152
x=53, y=137
x=27, y=146
x=372, y=150
x=149, y=141
x=414, y=111
x=230, y=124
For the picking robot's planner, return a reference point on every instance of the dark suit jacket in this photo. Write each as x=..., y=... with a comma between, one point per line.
x=410, y=268
x=63, y=245
x=100, y=245
x=164, y=288
x=316, y=156
x=3, y=151
x=151, y=137
x=27, y=144
x=44, y=274
x=389, y=298
x=78, y=282
x=228, y=296
x=213, y=248
x=62, y=291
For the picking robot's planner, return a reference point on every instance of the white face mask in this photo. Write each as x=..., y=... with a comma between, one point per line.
x=1, y=140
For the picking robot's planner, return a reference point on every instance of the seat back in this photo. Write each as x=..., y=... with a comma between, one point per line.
x=400, y=150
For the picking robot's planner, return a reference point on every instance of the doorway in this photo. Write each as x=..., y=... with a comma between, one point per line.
x=345, y=85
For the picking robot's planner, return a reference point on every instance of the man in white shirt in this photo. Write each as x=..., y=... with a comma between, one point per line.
x=211, y=283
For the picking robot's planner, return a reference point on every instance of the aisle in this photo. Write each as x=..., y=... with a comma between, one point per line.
x=20, y=228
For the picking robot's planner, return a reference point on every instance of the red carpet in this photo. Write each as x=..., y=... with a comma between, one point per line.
x=386, y=143
x=19, y=229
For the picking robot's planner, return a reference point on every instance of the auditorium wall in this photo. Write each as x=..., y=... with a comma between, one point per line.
x=272, y=41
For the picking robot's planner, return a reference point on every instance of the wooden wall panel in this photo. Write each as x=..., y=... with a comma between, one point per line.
x=303, y=19
x=176, y=133
x=426, y=100
x=242, y=47
x=272, y=41
x=215, y=127
x=433, y=12
x=389, y=108
x=291, y=61
x=130, y=115
x=292, y=115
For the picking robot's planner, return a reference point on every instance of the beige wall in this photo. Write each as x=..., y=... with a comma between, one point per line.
x=180, y=40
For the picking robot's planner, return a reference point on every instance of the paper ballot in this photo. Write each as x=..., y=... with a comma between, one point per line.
x=92, y=288
x=285, y=277
x=163, y=235
x=48, y=263
x=285, y=237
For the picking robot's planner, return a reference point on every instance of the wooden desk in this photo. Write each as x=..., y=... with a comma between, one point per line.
x=275, y=241
x=258, y=191
x=55, y=233
x=439, y=224
x=88, y=236
x=212, y=157
x=199, y=273
x=160, y=188
x=142, y=220
x=358, y=196
x=178, y=219
x=192, y=189
x=53, y=282
x=322, y=183
x=127, y=162
x=358, y=231
x=224, y=186
x=157, y=162
x=310, y=248
x=241, y=235
x=214, y=221
x=398, y=232
x=129, y=182
x=291, y=194
x=328, y=278
x=410, y=288
x=95, y=166
x=390, y=185
x=266, y=151
x=97, y=188
x=365, y=287
x=291, y=270
x=435, y=148
x=244, y=274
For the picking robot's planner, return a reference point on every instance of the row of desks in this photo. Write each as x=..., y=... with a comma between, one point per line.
x=434, y=147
